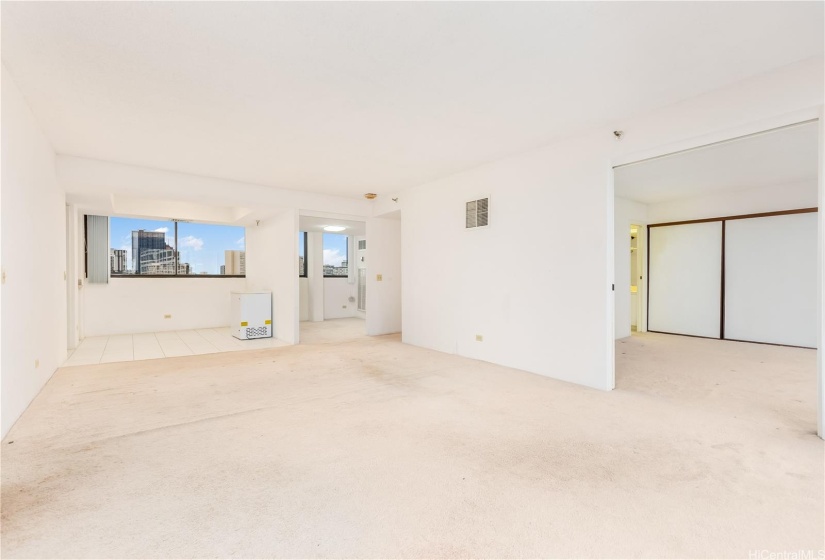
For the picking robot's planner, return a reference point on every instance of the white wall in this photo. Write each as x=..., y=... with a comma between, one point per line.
x=627, y=213
x=315, y=276
x=135, y=305
x=820, y=282
x=272, y=264
x=337, y=292
x=303, y=306
x=505, y=282
x=33, y=316
x=114, y=184
x=384, y=257
x=733, y=203
x=74, y=274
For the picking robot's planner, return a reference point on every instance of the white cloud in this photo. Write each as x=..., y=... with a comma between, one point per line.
x=333, y=257
x=191, y=242
x=162, y=229
x=240, y=242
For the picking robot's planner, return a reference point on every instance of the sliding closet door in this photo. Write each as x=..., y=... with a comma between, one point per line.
x=770, y=279
x=685, y=273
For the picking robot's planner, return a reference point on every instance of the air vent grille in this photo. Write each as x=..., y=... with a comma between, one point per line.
x=477, y=213
x=257, y=332
x=362, y=289
x=362, y=244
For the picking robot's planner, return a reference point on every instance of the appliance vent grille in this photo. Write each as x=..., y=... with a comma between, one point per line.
x=257, y=332
x=477, y=214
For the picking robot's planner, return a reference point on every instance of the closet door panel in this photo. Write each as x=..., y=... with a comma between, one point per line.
x=770, y=279
x=685, y=274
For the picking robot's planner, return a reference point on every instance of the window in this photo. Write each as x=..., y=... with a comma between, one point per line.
x=209, y=249
x=335, y=255
x=302, y=254
x=167, y=248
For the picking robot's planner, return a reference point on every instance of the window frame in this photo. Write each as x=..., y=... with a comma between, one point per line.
x=177, y=257
x=306, y=260
x=347, y=237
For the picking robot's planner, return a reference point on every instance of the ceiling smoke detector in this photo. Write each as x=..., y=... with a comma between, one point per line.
x=370, y=195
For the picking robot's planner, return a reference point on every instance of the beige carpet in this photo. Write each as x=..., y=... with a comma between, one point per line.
x=371, y=448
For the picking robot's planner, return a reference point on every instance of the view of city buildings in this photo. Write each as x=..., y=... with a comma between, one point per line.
x=334, y=252
x=330, y=270
x=146, y=248
x=234, y=263
x=117, y=257
x=152, y=255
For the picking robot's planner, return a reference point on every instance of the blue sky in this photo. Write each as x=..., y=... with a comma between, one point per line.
x=335, y=249
x=200, y=245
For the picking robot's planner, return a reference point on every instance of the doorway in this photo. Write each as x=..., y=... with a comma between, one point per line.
x=332, y=254
x=635, y=278
x=725, y=251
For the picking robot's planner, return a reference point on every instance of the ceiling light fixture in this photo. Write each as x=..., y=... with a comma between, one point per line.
x=334, y=228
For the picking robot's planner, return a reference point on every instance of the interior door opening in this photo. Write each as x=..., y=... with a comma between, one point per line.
x=723, y=245
x=332, y=253
x=635, y=278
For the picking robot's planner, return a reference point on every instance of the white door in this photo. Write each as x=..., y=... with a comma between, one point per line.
x=685, y=279
x=770, y=279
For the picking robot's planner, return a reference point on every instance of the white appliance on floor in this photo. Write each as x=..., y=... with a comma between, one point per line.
x=251, y=315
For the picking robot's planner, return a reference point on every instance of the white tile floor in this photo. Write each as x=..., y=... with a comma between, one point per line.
x=148, y=346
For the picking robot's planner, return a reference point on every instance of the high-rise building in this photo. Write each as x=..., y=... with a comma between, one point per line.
x=145, y=247
x=117, y=261
x=223, y=269
x=157, y=261
x=234, y=263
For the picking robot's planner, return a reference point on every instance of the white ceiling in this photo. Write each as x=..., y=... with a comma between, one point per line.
x=783, y=157
x=351, y=97
x=311, y=223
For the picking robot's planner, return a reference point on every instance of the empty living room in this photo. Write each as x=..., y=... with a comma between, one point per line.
x=412, y=279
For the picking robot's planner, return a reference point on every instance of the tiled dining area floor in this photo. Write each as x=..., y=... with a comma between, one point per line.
x=148, y=346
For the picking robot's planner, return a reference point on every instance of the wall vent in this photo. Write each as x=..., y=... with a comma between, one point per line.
x=362, y=244
x=362, y=289
x=477, y=213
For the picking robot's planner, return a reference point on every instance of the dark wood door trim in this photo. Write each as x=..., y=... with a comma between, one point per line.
x=647, y=280
x=722, y=288
x=738, y=217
